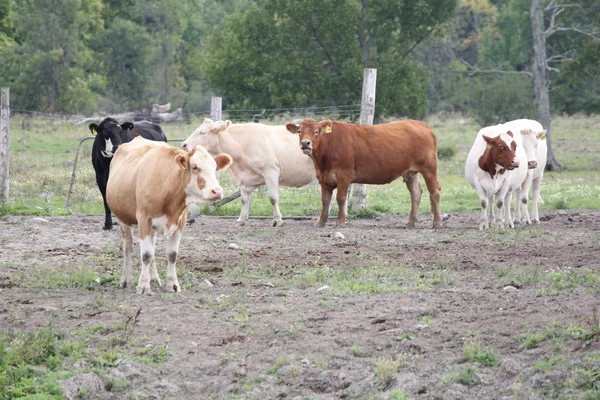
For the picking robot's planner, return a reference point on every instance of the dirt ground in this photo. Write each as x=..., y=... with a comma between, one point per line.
x=252, y=323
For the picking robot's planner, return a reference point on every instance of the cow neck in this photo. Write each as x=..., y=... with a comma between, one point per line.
x=487, y=163
x=229, y=143
x=322, y=156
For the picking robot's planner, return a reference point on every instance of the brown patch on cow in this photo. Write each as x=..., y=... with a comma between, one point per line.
x=201, y=182
x=223, y=161
x=172, y=257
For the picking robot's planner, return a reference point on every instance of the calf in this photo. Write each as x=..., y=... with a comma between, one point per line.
x=150, y=185
x=373, y=154
x=109, y=136
x=262, y=155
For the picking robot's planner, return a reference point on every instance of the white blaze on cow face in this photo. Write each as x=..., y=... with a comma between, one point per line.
x=510, y=143
x=108, y=149
x=531, y=140
x=203, y=185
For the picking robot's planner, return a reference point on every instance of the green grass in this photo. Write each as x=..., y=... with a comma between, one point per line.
x=43, y=152
x=473, y=352
x=467, y=376
x=553, y=282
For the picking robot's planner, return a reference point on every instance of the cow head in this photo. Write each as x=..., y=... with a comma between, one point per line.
x=503, y=150
x=203, y=185
x=206, y=135
x=108, y=135
x=309, y=133
x=531, y=139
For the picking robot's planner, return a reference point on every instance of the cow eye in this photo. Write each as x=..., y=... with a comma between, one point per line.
x=501, y=147
x=316, y=131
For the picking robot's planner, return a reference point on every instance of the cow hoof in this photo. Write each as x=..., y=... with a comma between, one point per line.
x=277, y=223
x=124, y=284
x=528, y=222
x=437, y=225
x=410, y=225
x=107, y=227
x=143, y=290
x=320, y=224
x=483, y=225
x=173, y=288
x=240, y=223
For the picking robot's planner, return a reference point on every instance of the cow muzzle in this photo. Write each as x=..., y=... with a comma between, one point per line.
x=532, y=164
x=107, y=154
x=216, y=194
x=305, y=147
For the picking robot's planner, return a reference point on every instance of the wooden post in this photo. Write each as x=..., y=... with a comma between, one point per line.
x=367, y=111
x=4, y=150
x=216, y=107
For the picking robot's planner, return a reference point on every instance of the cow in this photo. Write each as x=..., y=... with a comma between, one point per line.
x=151, y=184
x=109, y=136
x=345, y=153
x=496, y=165
x=262, y=155
x=536, y=147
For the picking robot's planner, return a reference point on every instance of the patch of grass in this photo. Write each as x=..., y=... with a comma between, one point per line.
x=547, y=365
x=241, y=316
x=386, y=369
x=152, y=355
x=355, y=351
x=473, y=352
x=273, y=370
x=83, y=278
x=466, y=376
x=396, y=394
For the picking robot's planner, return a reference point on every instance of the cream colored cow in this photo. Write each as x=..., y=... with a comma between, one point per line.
x=151, y=184
x=262, y=155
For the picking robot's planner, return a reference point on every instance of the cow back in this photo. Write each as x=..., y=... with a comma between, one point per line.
x=147, y=130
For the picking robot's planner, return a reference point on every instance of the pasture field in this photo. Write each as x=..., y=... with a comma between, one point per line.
x=295, y=313
x=43, y=150
x=298, y=312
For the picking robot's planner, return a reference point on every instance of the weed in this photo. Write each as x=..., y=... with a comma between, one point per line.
x=466, y=376
x=386, y=368
x=473, y=352
x=397, y=394
x=355, y=351
x=241, y=316
x=547, y=365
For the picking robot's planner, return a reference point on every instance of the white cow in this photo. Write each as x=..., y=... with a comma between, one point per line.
x=494, y=166
x=536, y=147
x=262, y=155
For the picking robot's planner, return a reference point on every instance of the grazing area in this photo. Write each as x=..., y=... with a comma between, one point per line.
x=380, y=311
x=369, y=311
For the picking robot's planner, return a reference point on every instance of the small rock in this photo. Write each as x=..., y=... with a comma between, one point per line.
x=208, y=283
x=562, y=212
x=509, y=288
x=445, y=217
x=338, y=235
x=38, y=219
x=323, y=288
x=233, y=246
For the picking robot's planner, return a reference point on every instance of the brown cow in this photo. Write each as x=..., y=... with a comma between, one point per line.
x=374, y=154
x=150, y=185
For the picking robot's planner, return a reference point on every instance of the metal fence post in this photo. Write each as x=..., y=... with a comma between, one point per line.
x=367, y=111
x=4, y=145
x=216, y=108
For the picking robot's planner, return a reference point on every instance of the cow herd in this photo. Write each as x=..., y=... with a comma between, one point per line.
x=146, y=182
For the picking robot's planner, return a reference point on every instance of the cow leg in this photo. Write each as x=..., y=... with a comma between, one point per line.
x=272, y=182
x=172, y=251
x=535, y=198
x=154, y=277
x=146, y=254
x=507, y=217
x=342, y=201
x=411, y=179
x=127, y=275
x=246, y=195
x=485, y=200
x=101, y=181
x=326, y=194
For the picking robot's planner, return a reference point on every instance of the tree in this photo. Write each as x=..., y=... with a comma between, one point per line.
x=290, y=54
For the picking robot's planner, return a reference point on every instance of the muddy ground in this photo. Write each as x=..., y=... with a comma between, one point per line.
x=268, y=313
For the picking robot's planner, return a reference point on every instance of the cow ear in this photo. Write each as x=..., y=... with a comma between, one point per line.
x=208, y=121
x=541, y=135
x=509, y=133
x=292, y=128
x=489, y=142
x=127, y=126
x=221, y=126
x=223, y=161
x=324, y=127
x=182, y=160
x=513, y=145
x=93, y=129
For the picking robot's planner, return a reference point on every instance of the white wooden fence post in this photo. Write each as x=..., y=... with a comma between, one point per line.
x=4, y=150
x=367, y=110
x=216, y=106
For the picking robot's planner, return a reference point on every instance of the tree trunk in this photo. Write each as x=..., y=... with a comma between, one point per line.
x=540, y=77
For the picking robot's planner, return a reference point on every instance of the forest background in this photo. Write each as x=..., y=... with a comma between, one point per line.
x=469, y=56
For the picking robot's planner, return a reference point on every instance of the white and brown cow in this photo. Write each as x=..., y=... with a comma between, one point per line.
x=495, y=166
x=151, y=184
x=262, y=155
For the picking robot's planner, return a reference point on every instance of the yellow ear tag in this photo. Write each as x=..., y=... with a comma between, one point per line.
x=94, y=132
x=328, y=129
x=488, y=146
x=543, y=137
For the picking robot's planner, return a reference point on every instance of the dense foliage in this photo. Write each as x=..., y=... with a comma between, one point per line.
x=106, y=55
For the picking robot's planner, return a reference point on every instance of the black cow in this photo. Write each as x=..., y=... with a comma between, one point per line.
x=109, y=136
